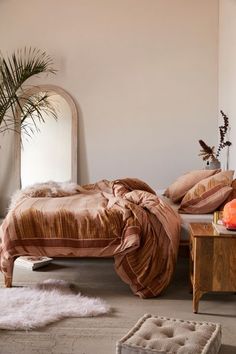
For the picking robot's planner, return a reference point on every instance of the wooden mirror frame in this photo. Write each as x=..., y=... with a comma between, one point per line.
x=74, y=130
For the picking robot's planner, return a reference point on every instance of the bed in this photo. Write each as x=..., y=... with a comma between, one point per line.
x=197, y=194
x=123, y=219
x=185, y=219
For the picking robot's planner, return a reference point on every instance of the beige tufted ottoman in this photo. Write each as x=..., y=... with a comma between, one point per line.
x=154, y=334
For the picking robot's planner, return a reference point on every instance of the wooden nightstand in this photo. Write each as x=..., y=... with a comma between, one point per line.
x=212, y=261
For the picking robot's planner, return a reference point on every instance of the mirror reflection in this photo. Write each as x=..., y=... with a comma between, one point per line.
x=50, y=152
x=46, y=155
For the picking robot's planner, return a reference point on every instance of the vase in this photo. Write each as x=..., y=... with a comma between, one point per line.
x=214, y=165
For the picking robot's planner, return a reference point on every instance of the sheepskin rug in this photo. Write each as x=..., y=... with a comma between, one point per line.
x=32, y=307
x=48, y=189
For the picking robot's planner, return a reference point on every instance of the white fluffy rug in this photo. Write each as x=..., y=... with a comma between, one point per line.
x=46, y=302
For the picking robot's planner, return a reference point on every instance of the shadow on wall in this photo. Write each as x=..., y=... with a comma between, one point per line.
x=83, y=173
x=7, y=171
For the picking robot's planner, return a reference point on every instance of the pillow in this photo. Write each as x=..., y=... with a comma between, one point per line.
x=125, y=185
x=207, y=195
x=231, y=196
x=183, y=184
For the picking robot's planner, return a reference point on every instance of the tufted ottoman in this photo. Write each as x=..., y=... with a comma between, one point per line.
x=154, y=334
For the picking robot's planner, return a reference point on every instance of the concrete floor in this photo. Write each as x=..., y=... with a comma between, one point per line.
x=96, y=277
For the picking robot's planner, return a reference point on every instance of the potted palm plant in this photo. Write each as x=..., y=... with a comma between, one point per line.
x=15, y=70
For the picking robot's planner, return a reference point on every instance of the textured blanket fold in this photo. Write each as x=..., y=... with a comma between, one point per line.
x=122, y=218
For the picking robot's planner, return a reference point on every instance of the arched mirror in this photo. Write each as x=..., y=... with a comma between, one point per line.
x=49, y=152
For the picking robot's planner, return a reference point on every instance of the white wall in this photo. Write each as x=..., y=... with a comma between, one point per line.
x=227, y=69
x=144, y=74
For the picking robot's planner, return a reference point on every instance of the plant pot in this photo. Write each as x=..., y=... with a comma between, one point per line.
x=214, y=165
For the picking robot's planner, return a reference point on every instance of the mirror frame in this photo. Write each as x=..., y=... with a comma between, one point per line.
x=74, y=130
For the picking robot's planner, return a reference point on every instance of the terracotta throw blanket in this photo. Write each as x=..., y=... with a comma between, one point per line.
x=122, y=218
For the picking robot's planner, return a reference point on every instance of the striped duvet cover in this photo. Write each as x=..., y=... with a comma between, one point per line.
x=123, y=219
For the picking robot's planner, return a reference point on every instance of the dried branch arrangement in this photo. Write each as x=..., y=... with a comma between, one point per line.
x=209, y=153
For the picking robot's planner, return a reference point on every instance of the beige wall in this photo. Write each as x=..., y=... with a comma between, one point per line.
x=143, y=72
x=227, y=70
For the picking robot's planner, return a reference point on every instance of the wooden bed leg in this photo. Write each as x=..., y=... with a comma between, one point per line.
x=8, y=272
x=8, y=282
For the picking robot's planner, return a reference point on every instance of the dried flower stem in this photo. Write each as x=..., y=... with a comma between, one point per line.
x=223, y=130
x=208, y=152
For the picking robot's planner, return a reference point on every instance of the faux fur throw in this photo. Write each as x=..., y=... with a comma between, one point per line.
x=24, y=308
x=48, y=189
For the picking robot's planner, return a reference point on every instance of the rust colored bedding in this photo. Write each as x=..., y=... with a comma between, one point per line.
x=122, y=218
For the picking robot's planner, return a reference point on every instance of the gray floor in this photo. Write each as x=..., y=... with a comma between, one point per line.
x=98, y=335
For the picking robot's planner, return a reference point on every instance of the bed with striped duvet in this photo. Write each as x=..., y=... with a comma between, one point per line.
x=123, y=219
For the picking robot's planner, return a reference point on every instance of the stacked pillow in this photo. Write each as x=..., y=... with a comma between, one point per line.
x=201, y=191
x=183, y=184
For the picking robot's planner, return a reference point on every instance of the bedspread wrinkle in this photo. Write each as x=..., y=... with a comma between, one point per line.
x=122, y=218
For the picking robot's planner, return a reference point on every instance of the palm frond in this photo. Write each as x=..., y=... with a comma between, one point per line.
x=36, y=108
x=15, y=70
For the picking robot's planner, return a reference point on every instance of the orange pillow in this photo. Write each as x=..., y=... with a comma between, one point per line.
x=183, y=184
x=207, y=195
